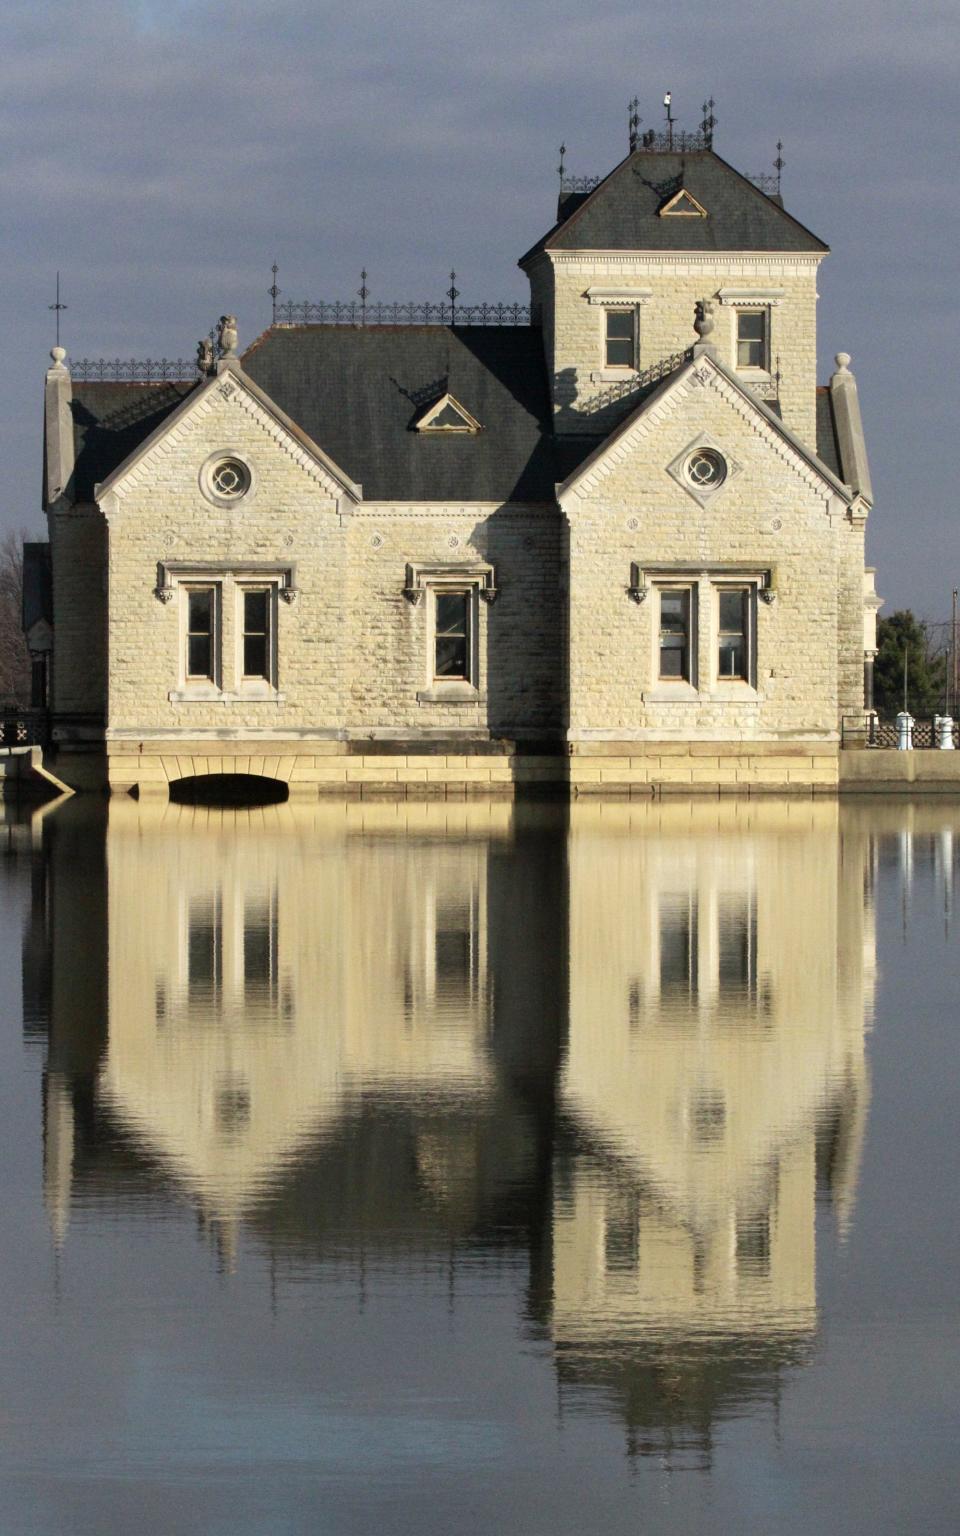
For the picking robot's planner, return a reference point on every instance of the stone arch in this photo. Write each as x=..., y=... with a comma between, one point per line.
x=227, y=789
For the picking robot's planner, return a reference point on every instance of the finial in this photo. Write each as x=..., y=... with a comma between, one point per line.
x=560, y=167
x=274, y=292
x=453, y=294
x=58, y=354
x=57, y=308
x=842, y=360
x=205, y=357
x=635, y=121
x=227, y=335
x=778, y=164
x=703, y=321
x=709, y=122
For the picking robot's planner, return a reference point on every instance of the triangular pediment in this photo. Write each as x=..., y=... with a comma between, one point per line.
x=232, y=389
x=683, y=204
x=705, y=477
x=446, y=415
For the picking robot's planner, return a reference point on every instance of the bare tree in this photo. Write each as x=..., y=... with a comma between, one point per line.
x=14, y=656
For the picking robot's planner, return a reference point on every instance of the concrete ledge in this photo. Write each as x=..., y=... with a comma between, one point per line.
x=878, y=770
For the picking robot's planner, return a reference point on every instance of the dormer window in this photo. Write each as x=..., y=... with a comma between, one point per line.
x=683, y=205
x=620, y=338
x=447, y=415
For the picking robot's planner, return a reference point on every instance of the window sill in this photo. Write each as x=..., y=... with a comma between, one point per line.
x=734, y=693
x=451, y=693
x=673, y=693
x=219, y=696
x=614, y=375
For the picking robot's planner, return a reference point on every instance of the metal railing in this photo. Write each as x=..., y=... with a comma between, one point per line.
x=868, y=730
x=355, y=312
x=133, y=370
x=22, y=727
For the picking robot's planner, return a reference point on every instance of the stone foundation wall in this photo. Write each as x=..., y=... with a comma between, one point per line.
x=399, y=770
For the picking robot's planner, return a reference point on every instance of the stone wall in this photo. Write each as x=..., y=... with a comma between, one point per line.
x=78, y=547
x=352, y=650
x=588, y=397
x=774, y=517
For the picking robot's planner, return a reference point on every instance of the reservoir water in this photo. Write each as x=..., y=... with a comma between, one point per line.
x=470, y=1168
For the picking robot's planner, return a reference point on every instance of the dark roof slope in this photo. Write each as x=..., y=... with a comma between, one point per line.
x=828, y=448
x=110, y=421
x=622, y=213
x=358, y=392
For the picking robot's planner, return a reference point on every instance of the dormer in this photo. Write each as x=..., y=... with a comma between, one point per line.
x=617, y=280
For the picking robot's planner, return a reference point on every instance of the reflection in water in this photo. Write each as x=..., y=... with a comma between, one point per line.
x=623, y=1044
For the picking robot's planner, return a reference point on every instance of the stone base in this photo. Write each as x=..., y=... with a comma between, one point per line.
x=450, y=770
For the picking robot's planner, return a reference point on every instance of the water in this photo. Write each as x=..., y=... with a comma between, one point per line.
x=471, y=1168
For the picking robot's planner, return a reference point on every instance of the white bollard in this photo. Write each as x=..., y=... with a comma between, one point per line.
x=944, y=729
x=904, y=732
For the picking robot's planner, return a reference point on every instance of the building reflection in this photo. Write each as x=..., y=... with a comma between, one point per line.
x=623, y=1044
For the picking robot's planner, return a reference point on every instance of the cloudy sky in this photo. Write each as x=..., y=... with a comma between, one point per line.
x=162, y=154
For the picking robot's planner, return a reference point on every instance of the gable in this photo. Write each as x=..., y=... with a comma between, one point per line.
x=701, y=379
x=624, y=212
x=216, y=408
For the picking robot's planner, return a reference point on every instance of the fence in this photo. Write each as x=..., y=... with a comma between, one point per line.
x=868, y=730
x=23, y=727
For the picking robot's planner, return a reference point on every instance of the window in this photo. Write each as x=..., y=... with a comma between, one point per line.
x=620, y=333
x=204, y=949
x=752, y=338
x=256, y=610
x=734, y=634
x=706, y=469
x=453, y=627
x=201, y=634
x=679, y=947
x=675, y=634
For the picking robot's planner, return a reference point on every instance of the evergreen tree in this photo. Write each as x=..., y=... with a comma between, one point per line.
x=926, y=671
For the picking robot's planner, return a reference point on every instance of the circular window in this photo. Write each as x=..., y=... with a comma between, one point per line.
x=230, y=478
x=225, y=478
x=706, y=469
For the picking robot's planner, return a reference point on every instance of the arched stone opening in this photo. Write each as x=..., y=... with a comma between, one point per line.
x=228, y=789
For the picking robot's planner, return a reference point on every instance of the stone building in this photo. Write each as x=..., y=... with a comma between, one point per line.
x=619, y=547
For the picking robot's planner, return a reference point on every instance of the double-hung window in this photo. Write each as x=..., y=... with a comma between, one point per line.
x=257, y=634
x=735, y=622
x=201, y=635
x=453, y=635
x=620, y=338
x=676, y=635
x=753, y=349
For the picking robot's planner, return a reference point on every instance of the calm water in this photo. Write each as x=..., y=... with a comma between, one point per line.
x=471, y=1169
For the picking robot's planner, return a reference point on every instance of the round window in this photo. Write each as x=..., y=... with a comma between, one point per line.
x=230, y=478
x=706, y=469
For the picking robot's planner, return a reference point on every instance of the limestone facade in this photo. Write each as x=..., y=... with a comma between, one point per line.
x=564, y=587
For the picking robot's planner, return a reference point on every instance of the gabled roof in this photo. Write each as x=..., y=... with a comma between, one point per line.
x=231, y=377
x=110, y=421
x=601, y=450
x=625, y=211
x=360, y=391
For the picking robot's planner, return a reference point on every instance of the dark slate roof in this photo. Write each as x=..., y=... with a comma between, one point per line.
x=110, y=421
x=358, y=392
x=828, y=448
x=622, y=213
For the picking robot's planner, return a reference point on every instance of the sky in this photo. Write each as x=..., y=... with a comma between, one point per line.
x=162, y=154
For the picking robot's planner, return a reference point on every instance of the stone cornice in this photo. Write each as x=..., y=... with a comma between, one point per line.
x=797, y=262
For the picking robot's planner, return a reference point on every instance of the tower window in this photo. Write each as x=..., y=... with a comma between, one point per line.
x=752, y=347
x=620, y=346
